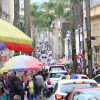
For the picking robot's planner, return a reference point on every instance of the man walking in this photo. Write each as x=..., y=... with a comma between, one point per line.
x=72, y=75
x=16, y=87
x=40, y=83
x=17, y=97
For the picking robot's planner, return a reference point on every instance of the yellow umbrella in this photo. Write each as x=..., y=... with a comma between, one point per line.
x=9, y=33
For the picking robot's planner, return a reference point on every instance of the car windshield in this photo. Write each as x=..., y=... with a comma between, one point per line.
x=97, y=79
x=65, y=88
x=57, y=75
x=86, y=94
x=54, y=68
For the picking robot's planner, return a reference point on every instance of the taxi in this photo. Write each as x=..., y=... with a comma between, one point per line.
x=79, y=76
x=97, y=79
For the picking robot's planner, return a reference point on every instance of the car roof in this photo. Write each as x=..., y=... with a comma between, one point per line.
x=64, y=81
x=58, y=71
x=80, y=75
x=85, y=88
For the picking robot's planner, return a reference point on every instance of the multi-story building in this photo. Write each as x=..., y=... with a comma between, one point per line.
x=95, y=30
x=7, y=13
x=7, y=7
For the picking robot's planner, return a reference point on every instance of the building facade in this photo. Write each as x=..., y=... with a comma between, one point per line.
x=95, y=30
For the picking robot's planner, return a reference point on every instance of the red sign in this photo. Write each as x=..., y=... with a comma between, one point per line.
x=3, y=58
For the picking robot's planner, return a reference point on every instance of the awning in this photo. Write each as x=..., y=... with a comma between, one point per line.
x=9, y=33
x=19, y=47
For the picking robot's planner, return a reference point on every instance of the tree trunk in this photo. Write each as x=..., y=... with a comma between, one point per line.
x=29, y=20
x=16, y=14
x=56, y=44
x=35, y=41
x=88, y=25
x=26, y=16
x=0, y=10
x=81, y=12
x=73, y=37
x=61, y=38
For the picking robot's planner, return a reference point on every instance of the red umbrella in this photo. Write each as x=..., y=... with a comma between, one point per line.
x=19, y=47
x=62, y=60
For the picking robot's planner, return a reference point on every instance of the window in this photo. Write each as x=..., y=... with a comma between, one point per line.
x=97, y=49
x=86, y=94
x=65, y=88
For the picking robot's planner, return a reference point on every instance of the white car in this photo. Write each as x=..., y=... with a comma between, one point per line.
x=57, y=68
x=63, y=87
x=80, y=76
x=55, y=76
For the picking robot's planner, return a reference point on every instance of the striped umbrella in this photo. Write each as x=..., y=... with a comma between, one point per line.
x=21, y=63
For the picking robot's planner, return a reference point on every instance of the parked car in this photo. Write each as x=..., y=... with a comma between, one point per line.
x=63, y=87
x=97, y=79
x=55, y=76
x=89, y=93
x=56, y=68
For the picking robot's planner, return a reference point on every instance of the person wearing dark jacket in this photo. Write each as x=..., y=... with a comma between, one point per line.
x=31, y=88
x=16, y=87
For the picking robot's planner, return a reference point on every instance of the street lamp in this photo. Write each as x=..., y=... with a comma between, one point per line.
x=21, y=20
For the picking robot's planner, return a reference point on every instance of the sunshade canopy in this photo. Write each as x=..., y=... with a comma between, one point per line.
x=21, y=63
x=67, y=62
x=61, y=60
x=19, y=47
x=9, y=33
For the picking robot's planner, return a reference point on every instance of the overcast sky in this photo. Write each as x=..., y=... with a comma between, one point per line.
x=38, y=1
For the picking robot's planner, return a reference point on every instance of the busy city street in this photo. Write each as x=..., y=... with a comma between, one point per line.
x=49, y=49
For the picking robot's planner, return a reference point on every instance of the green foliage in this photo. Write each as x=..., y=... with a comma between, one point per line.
x=44, y=14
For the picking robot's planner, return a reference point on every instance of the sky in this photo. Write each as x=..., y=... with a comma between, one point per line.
x=38, y=1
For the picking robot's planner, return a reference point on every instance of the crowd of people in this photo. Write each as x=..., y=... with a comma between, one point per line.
x=13, y=87
x=16, y=88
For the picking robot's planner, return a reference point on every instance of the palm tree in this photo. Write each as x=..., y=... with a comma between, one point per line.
x=26, y=16
x=88, y=25
x=0, y=10
x=81, y=13
x=72, y=20
x=16, y=13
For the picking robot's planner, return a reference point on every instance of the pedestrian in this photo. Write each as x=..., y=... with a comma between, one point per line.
x=34, y=75
x=25, y=76
x=2, y=80
x=6, y=82
x=31, y=88
x=16, y=87
x=17, y=97
x=2, y=88
x=21, y=80
x=78, y=70
x=40, y=83
x=72, y=75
